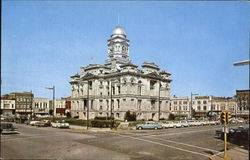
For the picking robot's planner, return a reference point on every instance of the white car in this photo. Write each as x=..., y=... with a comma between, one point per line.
x=168, y=124
x=33, y=122
x=210, y=123
x=60, y=124
x=177, y=124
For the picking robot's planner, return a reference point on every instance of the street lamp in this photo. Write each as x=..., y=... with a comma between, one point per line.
x=88, y=106
x=53, y=89
x=159, y=107
x=112, y=118
x=190, y=109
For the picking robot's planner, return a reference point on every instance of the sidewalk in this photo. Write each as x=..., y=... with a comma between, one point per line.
x=95, y=129
x=92, y=129
x=235, y=154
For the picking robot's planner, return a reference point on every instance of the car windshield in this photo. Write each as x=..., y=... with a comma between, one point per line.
x=6, y=126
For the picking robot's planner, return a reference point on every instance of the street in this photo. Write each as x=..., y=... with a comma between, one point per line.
x=51, y=143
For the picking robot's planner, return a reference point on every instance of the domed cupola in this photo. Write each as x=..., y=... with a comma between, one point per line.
x=118, y=47
x=118, y=31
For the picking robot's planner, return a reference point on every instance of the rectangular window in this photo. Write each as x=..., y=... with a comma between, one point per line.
x=204, y=107
x=204, y=102
x=118, y=103
x=175, y=102
x=139, y=104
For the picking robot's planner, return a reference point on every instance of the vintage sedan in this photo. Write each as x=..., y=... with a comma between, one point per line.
x=8, y=128
x=149, y=125
x=168, y=124
x=60, y=124
x=43, y=123
x=32, y=122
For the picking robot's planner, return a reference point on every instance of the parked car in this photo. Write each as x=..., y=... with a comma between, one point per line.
x=235, y=134
x=8, y=128
x=60, y=124
x=32, y=122
x=149, y=125
x=210, y=123
x=43, y=123
x=185, y=123
x=240, y=120
x=168, y=124
x=177, y=124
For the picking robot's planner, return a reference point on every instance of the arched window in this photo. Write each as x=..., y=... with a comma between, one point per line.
x=139, y=87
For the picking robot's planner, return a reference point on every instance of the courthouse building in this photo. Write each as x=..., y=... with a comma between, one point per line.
x=121, y=84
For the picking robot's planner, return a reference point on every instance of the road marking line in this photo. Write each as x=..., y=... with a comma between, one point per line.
x=168, y=133
x=185, y=144
x=27, y=137
x=164, y=145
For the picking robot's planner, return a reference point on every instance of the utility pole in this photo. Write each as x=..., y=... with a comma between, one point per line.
x=53, y=103
x=159, y=107
x=191, y=107
x=111, y=114
x=88, y=106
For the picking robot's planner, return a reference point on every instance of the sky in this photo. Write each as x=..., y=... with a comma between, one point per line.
x=45, y=42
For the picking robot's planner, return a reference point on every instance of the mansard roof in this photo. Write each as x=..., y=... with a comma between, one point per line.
x=76, y=75
x=163, y=72
x=118, y=74
x=150, y=65
x=89, y=76
x=128, y=64
x=154, y=75
x=95, y=66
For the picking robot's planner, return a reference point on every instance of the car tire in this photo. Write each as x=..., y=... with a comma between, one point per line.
x=156, y=128
x=140, y=128
x=174, y=126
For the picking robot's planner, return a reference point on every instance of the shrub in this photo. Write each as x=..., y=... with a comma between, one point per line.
x=103, y=118
x=130, y=117
x=103, y=123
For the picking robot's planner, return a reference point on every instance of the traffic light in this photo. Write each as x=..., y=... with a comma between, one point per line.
x=228, y=115
x=223, y=117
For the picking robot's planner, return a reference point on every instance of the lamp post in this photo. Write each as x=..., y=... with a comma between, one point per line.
x=159, y=107
x=53, y=103
x=88, y=106
x=211, y=109
x=190, y=110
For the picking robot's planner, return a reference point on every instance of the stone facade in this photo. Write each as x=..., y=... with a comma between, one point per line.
x=120, y=84
x=7, y=107
x=201, y=105
x=180, y=106
x=41, y=106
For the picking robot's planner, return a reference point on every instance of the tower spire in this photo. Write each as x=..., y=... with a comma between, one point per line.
x=118, y=18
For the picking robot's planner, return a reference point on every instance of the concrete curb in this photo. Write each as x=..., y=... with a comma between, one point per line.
x=236, y=153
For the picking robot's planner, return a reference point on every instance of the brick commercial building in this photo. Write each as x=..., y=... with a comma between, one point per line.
x=242, y=97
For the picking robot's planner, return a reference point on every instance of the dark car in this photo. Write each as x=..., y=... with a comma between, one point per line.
x=8, y=128
x=43, y=123
x=235, y=134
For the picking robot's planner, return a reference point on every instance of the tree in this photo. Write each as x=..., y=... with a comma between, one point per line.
x=130, y=117
x=68, y=115
x=171, y=116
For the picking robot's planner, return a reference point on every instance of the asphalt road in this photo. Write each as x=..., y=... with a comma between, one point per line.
x=51, y=143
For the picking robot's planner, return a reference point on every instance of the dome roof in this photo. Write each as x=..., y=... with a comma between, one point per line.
x=118, y=31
